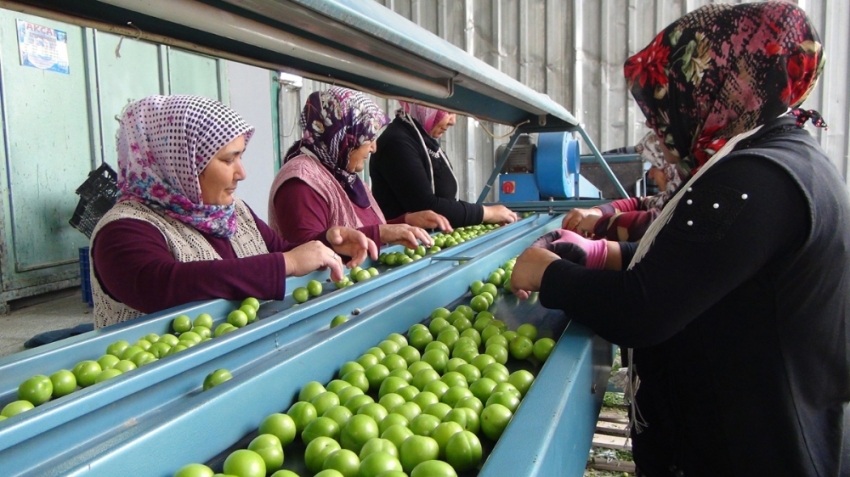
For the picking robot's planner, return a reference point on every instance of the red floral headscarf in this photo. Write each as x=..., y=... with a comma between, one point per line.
x=722, y=70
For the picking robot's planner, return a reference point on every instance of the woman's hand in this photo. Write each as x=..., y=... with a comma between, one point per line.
x=575, y=248
x=428, y=219
x=499, y=214
x=528, y=270
x=404, y=234
x=352, y=243
x=582, y=221
x=312, y=256
x=593, y=254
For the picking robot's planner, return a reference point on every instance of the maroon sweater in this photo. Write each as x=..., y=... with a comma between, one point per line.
x=134, y=266
x=303, y=215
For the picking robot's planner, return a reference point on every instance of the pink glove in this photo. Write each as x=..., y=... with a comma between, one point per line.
x=575, y=248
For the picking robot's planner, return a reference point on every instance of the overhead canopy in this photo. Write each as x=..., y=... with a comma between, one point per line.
x=354, y=42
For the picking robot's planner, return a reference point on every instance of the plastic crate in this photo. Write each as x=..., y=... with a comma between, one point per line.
x=85, y=277
x=97, y=195
x=102, y=182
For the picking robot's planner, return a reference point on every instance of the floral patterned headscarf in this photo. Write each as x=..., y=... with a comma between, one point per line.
x=427, y=117
x=335, y=122
x=650, y=150
x=722, y=70
x=164, y=143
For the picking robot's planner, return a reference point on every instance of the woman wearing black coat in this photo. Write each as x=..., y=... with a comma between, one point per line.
x=410, y=172
x=736, y=302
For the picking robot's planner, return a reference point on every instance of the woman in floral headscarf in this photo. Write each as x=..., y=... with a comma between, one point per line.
x=736, y=302
x=178, y=233
x=410, y=171
x=628, y=219
x=318, y=186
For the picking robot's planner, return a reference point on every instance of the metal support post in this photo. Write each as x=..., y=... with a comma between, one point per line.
x=604, y=165
x=498, y=167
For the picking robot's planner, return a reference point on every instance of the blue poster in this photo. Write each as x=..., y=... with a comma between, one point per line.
x=43, y=47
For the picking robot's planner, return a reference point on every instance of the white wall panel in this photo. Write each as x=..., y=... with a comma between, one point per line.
x=259, y=169
x=573, y=50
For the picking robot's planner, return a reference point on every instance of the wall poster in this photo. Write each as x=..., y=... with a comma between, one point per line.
x=43, y=47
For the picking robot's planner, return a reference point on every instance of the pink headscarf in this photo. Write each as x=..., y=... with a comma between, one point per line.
x=427, y=117
x=164, y=143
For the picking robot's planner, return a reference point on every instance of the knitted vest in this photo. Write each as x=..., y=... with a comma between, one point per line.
x=309, y=170
x=184, y=242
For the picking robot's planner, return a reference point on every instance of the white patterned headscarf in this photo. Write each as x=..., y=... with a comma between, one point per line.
x=650, y=150
x=164, y=143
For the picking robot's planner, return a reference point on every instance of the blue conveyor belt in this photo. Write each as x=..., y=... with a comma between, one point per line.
x=550, y=434
x=98, y=418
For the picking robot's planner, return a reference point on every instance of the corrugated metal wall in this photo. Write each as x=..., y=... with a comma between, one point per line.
x=574, y=51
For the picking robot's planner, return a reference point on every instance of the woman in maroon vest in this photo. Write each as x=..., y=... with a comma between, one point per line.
x=318, y=186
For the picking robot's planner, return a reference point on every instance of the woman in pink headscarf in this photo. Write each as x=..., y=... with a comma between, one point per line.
x=410, y=172
x=178, y=233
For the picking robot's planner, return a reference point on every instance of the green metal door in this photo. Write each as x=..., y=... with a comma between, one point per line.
x=140, y=69
x=191, y=73
x=47, y=139
x=56, y=127
x=127, y=70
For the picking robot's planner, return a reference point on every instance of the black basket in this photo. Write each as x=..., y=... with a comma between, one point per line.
x=97, y=195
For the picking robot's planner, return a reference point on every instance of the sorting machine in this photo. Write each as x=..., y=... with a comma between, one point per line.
x=549, y=167
x=155, y=419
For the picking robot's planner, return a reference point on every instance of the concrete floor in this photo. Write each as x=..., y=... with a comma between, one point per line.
x=48, y=312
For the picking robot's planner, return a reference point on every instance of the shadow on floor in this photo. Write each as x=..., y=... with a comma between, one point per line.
x=62, y=309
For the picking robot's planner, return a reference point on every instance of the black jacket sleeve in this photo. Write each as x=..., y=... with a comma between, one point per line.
x=700, y=256
x=401, y=180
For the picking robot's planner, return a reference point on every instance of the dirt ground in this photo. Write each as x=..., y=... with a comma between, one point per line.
x=611, y=403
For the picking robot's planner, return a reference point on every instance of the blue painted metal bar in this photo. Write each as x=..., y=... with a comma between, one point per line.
x=204, y=424
x=355, y=42
x=554, y=206
x=497, y=168
x=611, y=158
x=93, y=413
x=603, y=164
x=65, y=354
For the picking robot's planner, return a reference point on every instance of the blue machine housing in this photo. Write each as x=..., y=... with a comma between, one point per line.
x=556, y=173
x=557, y=165
x=518, y=187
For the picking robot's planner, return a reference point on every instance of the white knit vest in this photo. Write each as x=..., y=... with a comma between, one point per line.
x=184, y=242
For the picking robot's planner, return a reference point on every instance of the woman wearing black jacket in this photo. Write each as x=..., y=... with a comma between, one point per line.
x=736, y=302
x=410, y=172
